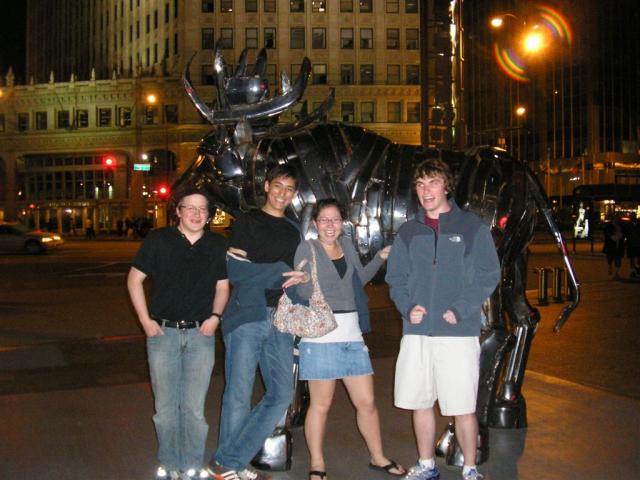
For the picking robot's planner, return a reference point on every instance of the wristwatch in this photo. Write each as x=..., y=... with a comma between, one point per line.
x=214, y=314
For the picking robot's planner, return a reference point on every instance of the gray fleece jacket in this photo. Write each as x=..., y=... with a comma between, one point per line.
x=457, y=270
x=338, y=292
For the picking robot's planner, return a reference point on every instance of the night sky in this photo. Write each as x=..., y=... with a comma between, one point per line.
x=12, y=38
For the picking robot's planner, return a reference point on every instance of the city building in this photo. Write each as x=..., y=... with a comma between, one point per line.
x=103, y=101
x=573, y=111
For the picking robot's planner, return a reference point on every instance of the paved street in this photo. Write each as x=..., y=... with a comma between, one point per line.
x=73, y=374
x=69, y=310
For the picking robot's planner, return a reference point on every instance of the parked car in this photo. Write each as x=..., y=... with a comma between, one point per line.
x=15, y=237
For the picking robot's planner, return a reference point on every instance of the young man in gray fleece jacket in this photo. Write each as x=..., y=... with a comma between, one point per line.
x=442, y=267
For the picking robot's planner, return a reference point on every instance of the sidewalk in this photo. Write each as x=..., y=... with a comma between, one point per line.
x=574, y=432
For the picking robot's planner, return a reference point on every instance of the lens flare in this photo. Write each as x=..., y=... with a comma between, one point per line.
x=556, y=23
x=510, y=64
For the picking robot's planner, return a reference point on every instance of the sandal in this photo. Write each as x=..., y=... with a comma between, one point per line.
x=392, y=465
x=318, y=473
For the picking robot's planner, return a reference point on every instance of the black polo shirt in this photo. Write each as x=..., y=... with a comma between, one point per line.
x=184, y=276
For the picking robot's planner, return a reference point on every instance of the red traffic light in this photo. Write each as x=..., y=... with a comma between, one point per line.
x=163, y=190
x=109, y=161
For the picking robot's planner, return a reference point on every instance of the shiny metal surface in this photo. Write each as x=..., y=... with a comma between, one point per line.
x=373, y=177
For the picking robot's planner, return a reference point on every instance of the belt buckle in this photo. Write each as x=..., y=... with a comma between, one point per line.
x=182, y=324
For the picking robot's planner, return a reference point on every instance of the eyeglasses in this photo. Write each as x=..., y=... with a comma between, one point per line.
x=192, y=209
x=326, y=221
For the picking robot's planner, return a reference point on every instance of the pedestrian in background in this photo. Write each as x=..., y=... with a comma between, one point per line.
x=190, y=291
x=442, y=267
x=89, y=232
x=341, y=353
x=613, y=247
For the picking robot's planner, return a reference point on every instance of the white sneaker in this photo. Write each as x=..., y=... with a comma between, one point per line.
x=472, y=474
x=251, y=474
x=164, y=474
x=195, y=474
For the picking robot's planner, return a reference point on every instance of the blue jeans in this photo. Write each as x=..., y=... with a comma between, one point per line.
x=180, y=363
x=243, y=429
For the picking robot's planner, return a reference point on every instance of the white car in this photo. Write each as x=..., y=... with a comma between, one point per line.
x=15, y=237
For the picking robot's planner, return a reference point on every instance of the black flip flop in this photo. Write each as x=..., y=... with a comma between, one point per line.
x=318, y=473
x=387, y=468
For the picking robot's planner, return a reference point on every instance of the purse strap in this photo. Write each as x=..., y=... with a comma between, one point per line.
x=314, y=270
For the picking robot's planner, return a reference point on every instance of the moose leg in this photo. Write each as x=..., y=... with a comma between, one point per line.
x=509, y=408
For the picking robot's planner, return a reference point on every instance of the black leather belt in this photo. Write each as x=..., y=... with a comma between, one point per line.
x=180, y=324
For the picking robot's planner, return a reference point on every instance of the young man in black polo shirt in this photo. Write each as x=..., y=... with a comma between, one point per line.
x=268, y=240
x=190, y=291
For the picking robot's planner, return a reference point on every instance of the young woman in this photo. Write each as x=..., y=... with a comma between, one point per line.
x=342, y=353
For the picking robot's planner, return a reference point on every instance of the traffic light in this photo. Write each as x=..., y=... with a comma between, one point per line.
x=109, y=161
x=163, y=191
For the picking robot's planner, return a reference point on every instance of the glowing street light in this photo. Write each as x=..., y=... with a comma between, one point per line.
x=521, y=110
x=151, y=98
x=533, y=42
x=498, y=20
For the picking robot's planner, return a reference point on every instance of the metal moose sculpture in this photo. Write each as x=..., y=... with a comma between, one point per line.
x=372, y=176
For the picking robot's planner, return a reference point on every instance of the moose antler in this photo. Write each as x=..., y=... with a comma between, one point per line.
x=228, y=112
x=286, y=129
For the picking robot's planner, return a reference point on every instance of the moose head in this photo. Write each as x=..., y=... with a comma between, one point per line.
x=244, y=113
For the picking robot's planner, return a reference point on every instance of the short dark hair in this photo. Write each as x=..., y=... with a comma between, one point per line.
x=328, y=202
x=283, y=170
x=434, y=167
x=180, y=193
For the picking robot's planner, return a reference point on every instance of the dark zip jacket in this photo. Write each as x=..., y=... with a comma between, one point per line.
x=456, y=269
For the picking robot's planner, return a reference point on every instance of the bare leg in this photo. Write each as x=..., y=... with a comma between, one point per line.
x=360, y=391
x=321, y=392
x=467, y=435
x=424, y=427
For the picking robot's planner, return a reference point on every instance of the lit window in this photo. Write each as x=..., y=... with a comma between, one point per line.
x=318, y=6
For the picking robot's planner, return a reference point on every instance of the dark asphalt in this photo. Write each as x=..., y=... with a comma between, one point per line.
x=74, y=386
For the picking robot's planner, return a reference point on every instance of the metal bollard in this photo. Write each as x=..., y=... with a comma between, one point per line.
x=543, y=299
x=570, y=293
x=557, y=284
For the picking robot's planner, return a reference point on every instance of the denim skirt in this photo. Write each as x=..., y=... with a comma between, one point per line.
x=331, y=361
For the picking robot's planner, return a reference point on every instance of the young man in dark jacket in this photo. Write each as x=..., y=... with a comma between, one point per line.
x=442, y=267
x=268, y=240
